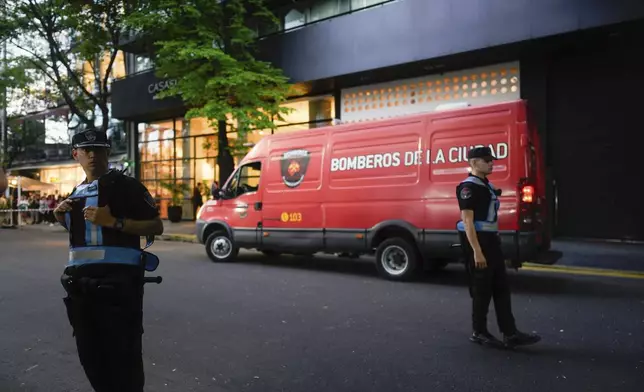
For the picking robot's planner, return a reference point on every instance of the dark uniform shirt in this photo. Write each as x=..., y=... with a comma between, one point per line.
x=127, y=198
x=477, y=198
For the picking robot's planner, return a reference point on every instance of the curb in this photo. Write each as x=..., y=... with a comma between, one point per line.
x=190, y=238
x=584, y=270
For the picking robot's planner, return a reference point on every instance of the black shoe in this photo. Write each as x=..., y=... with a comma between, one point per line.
x=485, y=338
x=520, y=339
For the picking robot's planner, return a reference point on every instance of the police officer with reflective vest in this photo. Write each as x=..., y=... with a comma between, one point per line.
x=479, y=203
x=106, y=216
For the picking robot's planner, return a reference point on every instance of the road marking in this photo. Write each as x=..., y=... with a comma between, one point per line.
x=584, y=271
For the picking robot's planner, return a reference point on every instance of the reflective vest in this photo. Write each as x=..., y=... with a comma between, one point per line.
x=490, y=224
x=94, y=251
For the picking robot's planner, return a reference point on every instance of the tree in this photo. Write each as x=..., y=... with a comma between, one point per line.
x=208, y=48
x=58, y=39
x=15, y=80
x=23, y=137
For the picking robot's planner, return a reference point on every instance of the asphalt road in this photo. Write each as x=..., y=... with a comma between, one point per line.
x=323, y=324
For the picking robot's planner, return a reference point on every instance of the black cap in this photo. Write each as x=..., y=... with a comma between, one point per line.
x=480, y=152
x=90, y=138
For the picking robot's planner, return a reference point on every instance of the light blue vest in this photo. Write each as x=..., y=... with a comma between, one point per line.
x=95, y=252
x=490, y=224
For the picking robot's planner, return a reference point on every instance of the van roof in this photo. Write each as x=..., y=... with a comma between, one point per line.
x=260, y=149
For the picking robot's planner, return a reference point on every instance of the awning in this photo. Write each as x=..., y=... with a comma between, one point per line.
x=29, y=184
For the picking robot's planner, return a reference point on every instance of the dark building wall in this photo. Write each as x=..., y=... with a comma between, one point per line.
x=415, y=30
x=583, y=97
x=133, y=99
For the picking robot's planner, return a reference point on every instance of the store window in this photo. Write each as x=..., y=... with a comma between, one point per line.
x=64, y=177
x=294, y=18
x=142, y=63
x=323, y=9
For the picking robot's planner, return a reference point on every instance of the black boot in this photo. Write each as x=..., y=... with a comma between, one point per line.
x=520, y=339
x=485, y=338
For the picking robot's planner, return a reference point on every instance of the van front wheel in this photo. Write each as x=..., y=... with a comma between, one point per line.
x=220, y=247
x=397, y=259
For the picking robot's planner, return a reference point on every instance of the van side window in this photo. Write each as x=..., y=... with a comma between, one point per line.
x=246, y=180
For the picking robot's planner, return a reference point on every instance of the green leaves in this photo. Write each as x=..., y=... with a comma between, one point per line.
x=209, y=48
x=72, y=44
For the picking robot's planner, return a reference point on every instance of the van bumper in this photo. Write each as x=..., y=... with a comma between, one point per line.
x=200, y=226
x=523, y=247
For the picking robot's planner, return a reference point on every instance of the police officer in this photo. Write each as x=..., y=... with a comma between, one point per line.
x=106, y=215
x=481, y=244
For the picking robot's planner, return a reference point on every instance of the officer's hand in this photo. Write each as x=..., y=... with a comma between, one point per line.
x=64, y=207
x=100, y=216
x=479, y=260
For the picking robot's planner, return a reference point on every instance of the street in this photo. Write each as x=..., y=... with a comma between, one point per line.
x=323, y=324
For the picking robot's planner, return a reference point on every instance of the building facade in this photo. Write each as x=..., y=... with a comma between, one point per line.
x=577, y=63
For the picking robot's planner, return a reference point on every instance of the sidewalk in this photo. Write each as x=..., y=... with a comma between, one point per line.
x=182, y=231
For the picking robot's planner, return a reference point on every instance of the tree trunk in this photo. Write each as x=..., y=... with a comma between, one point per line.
x=224, y=157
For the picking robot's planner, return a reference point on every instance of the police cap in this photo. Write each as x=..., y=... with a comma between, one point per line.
x=90, y=138
x=481, y=152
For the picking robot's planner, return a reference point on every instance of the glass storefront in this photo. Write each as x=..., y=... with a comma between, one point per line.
x=64, y=177
x=184, y=151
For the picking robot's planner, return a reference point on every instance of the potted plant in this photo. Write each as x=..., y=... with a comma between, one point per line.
x=177, y=190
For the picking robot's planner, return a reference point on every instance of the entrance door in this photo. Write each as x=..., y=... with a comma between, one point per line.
x=595, y=122
x=243, y=205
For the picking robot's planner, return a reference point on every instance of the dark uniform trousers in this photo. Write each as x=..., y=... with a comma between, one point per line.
x=488, y=283
x=106, y=313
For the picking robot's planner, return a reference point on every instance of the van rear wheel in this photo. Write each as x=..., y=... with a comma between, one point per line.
x=397, y=259
x=220, y=247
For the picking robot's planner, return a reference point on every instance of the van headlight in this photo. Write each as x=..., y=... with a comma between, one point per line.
x=200, y=211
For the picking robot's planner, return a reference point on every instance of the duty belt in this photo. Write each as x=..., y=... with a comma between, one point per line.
x=112, y=255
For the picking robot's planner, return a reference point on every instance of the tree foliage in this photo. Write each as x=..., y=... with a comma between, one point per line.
x=23, y=137
x=54, y=38
x=209, y=48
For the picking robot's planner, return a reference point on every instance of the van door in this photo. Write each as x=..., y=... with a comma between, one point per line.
x=243, y=204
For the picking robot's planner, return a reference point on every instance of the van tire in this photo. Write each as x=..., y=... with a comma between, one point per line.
x=220, y=247
x=397, y=259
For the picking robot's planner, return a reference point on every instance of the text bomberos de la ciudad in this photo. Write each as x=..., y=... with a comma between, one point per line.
x=455, y=154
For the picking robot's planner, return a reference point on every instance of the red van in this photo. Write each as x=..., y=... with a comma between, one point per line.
x=386, y=187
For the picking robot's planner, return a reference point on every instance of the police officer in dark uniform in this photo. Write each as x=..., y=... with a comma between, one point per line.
x=481, y=244
x=106, y=216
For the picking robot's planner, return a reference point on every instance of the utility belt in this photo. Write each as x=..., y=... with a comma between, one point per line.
x=107, y=270
x=112, y=255
x=481, y=226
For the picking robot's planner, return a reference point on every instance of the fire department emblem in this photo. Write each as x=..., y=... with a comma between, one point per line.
x=294, y=165
x=466, y=193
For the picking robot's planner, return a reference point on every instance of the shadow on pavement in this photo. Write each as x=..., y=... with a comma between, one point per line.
x=527, y=282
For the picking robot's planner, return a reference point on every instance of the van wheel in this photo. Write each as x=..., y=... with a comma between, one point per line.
x=397, y=259
x=220, y=247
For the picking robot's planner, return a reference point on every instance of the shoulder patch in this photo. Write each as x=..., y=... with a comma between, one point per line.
x=465, y=193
